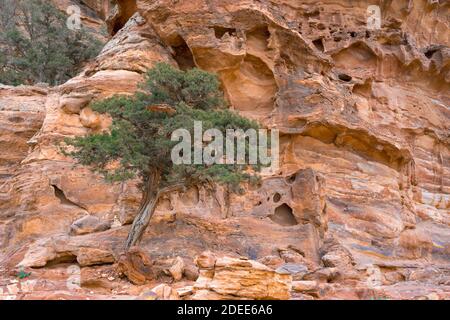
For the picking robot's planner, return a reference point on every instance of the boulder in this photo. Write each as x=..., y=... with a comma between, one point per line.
x=304, y=286
x=165, y=292
x=73, y=104
x=177, y=269
x=88, y=224
x=191, y=271
x=206, y=260
x=241, y=279
x=297, y=271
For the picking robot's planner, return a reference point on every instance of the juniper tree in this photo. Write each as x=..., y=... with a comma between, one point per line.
x=139, y=143
x=36, y=45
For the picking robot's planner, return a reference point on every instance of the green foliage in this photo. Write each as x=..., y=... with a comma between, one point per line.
x=139, y=140
x=196, y=88
x=23, y=275
x=36, y=45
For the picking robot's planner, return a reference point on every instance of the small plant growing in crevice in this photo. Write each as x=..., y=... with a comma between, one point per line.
x=22, y=274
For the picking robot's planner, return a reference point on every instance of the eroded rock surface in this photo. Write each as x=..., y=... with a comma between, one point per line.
x=360, y=205
x=234, y=278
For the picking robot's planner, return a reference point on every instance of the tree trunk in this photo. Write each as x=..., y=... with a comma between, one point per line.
x=146, y=210
x=227, y=201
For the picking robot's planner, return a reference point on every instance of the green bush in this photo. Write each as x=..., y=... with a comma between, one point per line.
x=36, y=45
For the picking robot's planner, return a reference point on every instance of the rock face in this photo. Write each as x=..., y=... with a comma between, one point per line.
x=92, y=12
x=362, y=197
x=231, y=278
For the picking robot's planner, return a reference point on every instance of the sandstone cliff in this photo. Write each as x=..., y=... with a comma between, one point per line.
x=360, y=207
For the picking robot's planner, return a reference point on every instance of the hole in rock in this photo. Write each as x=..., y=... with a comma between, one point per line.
x=283, y=216
x=291, y=179
x=127, y=8
x=183, y=55
x=16, y=119
x=62, y=197
x=345, y=77
x=318, y=43
x=276, y=197
x=220, y=31
x=313, y=12
x=353, y=34
x=252, y=87
x=258, y=38
x=321, y=26
x=62, y=259
x=429, y=53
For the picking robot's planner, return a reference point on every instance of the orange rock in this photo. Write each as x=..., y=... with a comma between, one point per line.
x=241, y=278
x=363, y=117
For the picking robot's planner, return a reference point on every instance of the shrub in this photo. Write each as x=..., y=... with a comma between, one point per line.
x=36, y=45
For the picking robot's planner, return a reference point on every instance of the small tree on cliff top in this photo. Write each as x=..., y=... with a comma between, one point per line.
x=139, y=141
